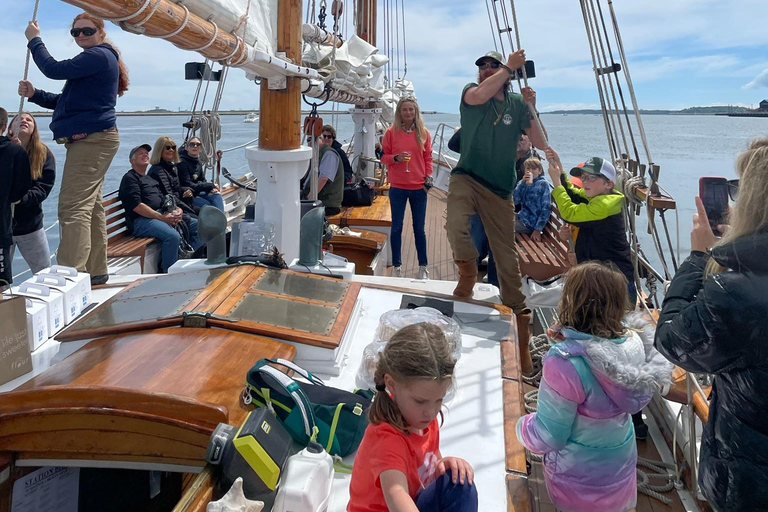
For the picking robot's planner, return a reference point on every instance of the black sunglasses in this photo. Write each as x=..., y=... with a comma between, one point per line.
x=171, y=147
x=326, y=136
x=492, y=64
x=193, y=144
x=86, y=31
x=733, y=189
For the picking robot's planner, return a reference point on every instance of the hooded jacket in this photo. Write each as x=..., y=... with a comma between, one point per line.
x=28, y=215
x=16, y=180
x=719, y=325
x=87, y=102
x=589, y=388
x=192, y=173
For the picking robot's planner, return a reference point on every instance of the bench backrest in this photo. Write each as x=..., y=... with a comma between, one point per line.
x=115, y=213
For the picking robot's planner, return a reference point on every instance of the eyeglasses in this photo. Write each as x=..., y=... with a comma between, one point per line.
x=192, y=144
x=326, y=136
x=733, y=189
x=86, y=31
x=589, y=178
x=489, y=64
x=170, y=147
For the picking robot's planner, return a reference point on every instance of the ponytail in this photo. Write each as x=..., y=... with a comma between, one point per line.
x=418, y=351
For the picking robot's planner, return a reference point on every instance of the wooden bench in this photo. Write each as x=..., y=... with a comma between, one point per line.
x=120, y=243
x=545, y=259
x=377, y=217
x=363, y=251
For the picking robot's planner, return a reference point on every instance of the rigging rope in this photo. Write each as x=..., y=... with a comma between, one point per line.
x=29, y=53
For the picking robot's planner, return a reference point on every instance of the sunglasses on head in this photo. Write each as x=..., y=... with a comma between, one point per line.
x=193, y=144
x=86, y=31
x=489, y=64
x=170, y=147
x=733, y=189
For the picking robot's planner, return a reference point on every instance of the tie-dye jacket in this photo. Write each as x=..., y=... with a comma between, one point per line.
x=589, y=389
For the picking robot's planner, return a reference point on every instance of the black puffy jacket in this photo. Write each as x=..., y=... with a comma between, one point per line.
x=167, y=175
x=719, y=325
x=192, y=173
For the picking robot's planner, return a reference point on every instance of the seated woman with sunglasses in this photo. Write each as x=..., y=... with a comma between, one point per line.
x=165, y=171
x=713, y=320
x=84, y=121
x=192, y=175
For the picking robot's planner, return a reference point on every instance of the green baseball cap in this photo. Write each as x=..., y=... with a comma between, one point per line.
x=490, y=55
x=596, y=165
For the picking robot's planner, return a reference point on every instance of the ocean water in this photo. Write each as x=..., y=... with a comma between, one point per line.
x=686, y=148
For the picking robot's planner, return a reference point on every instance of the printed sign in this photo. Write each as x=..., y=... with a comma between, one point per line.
x=49, y=489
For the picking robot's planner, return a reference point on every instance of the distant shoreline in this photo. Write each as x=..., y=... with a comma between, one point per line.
x=155, y=113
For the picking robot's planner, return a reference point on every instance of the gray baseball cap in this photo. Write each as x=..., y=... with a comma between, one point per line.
x=134, y=150
x=490, y=55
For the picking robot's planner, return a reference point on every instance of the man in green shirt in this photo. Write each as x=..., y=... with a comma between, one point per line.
x=492, y=120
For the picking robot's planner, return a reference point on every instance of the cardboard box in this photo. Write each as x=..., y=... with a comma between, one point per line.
x=37, y=323
x=69, y=290
x=81, y=279
x=54, y=303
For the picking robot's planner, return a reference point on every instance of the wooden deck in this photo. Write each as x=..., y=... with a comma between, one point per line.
x=439, y=253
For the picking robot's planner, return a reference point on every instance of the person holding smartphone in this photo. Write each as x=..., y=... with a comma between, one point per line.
x=713, y=320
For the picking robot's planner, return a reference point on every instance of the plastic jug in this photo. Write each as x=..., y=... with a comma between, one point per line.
x=305, y=485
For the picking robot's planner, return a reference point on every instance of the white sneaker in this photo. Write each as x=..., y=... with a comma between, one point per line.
x=397, y=272
x=423, y=272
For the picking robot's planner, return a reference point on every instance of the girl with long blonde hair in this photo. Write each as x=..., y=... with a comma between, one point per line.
x=28, y=231
x=84, y=120
x=714, y=319
x=407, y=148
x=398, y=465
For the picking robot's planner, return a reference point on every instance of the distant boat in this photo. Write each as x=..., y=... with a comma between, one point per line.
x=251, y=117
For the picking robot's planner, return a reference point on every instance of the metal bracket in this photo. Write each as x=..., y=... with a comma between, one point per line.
x=200, y=318
x=277, y=83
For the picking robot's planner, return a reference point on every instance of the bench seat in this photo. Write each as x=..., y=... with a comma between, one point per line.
x=120, y=243
x=547, y=258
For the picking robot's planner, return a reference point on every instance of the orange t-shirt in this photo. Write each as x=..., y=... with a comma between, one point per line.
x=384, y=447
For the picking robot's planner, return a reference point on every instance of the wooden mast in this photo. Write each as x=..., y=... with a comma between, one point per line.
x=280, y=109
x=366, y=21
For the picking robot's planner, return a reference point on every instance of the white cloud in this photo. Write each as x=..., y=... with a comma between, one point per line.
x=760, y=81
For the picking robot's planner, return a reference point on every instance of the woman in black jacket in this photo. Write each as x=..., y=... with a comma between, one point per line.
x=164, y=170
x=28, y=233
x=192, y=175
x=715, y=320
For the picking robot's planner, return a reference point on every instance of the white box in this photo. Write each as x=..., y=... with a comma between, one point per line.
x=81, y=279
x=68, y=289
x=54, y=303
x=37, y=323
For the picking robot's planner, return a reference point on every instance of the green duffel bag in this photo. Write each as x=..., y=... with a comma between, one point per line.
x=337, y=418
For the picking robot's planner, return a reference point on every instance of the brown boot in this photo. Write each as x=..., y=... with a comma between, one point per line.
x=523, y=336
x=467, y=278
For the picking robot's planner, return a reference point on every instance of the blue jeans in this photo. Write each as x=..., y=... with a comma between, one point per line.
x=480, y=241
x=206, y=199
x=397, y=200
x=168, y=237
x=443, y=495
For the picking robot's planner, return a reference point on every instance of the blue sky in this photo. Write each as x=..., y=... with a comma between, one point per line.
x=681, y=53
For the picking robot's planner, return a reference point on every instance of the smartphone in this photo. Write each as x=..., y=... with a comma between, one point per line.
x=713, y=192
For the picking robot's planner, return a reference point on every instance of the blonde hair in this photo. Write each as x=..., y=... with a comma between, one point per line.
x=594, y=300
x=421, y=130
x=418, y=351
x=122, y=77
x=533, y=163
x=157, y=151
x=749, y=214
x=36, y=149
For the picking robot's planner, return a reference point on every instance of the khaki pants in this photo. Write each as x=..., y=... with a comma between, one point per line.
x=81, y=215
x=466, y=197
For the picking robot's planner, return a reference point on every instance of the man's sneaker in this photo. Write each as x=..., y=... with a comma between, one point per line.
x=423, y=272
x=397, y=272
